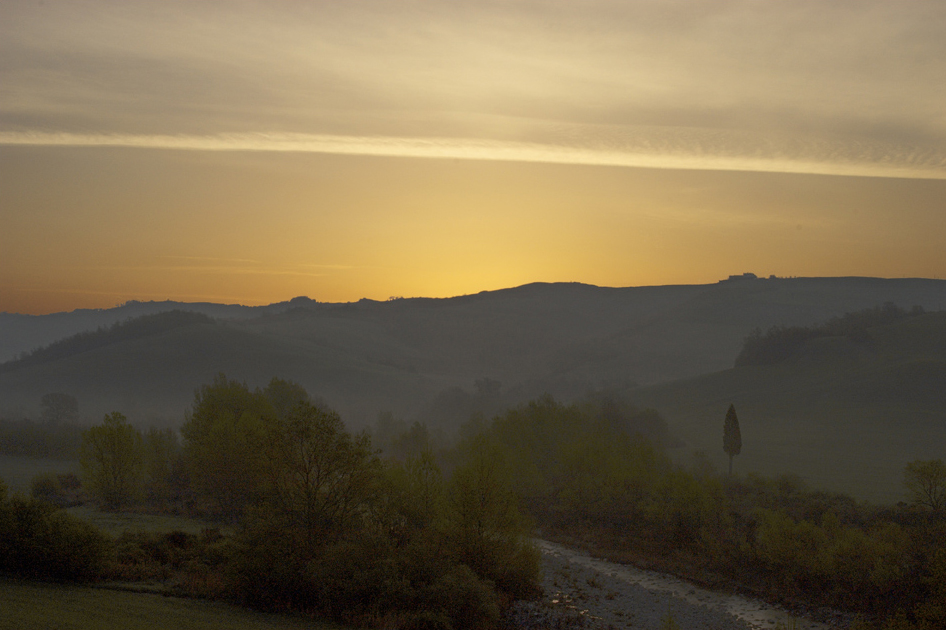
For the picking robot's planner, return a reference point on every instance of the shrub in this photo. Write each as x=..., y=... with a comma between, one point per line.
x=46, y=486
x=63, y=490
x=38, y=541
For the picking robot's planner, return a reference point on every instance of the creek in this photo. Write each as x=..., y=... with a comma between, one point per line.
x=618, y=595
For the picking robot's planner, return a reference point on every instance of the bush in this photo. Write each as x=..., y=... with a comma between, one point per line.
x=63, y=490
x=37, y=541
x=46, y=486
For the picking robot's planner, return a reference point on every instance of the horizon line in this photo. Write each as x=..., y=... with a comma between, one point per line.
x=732, y=278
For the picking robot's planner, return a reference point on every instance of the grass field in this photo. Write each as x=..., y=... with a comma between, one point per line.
x=117, y=523
x=37, y=606
x=17, y=472
x=844, y=415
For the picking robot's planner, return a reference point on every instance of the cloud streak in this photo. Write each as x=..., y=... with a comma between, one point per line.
x=663, y=148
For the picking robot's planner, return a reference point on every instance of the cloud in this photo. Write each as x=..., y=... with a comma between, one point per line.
x=800, y=86
x=667, y=148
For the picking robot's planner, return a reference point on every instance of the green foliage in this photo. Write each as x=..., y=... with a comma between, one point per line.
x=781, y=342
x=484, y=526
x=411, y=499
x=575, y=464
x=926, y=483
x=45, y=486
x=284, y=396
x=319, y=476
x=412, y=442
x=111, y=458
x=58, y=407
x=793, y=550
x=163, y=467
x=612, y=410
x=341, y=534
x=62, y=490
x=38, y=541
x=222, y=434
x=192, y=564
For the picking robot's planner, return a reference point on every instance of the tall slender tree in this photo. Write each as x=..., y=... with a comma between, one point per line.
x=732, y=437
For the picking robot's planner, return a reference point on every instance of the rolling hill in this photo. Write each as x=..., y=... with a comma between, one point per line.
x=419, y=358
x=845, y=412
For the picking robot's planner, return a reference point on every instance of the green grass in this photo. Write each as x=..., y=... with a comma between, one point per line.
x=38, y=606
x=17, y=471
x=117, y=523
x=843, y=415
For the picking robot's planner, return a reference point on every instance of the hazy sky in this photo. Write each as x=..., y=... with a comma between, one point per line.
x=254, y=151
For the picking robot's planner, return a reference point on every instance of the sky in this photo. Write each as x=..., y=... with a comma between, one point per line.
x=250, y=152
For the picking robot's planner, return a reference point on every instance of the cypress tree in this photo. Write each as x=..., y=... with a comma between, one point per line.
x=732, y=438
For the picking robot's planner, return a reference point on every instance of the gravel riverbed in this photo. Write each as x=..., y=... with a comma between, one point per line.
x=585, y=592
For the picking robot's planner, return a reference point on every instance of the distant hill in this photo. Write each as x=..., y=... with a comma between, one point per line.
x=420, y=358
x=24, y=333
x=846, y=409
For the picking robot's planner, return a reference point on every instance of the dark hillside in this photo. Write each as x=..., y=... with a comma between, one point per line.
x=843, y=411
x=420, y=358
x=21, y=334
x=138, y=328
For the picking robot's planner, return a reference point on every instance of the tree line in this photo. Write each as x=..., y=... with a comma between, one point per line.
x=132, y=328
x=420, y=535
x=779, y=343
x=325, y=525
x=589, y=482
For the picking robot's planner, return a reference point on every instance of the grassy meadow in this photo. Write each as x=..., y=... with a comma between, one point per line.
x=39, y=606
x=843, y=415
x=26, y=605
x=116, y=523
x=18, y=471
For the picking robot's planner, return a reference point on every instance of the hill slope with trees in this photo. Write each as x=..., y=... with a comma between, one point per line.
x=421, y=358
x=846, y=408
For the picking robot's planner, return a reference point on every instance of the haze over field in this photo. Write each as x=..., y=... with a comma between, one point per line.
x=251, y=152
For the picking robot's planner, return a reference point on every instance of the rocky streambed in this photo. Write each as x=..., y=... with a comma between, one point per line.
x=586, y=592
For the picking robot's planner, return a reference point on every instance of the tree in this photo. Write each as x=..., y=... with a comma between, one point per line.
x=58, y=407
x=732, y=437
x=484, y=526
x=161, y=464
x=111, y=459
x=222, y=437
x=320, y=476
x=926, y=482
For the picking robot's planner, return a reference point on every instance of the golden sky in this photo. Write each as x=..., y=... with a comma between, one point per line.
x=249, y=152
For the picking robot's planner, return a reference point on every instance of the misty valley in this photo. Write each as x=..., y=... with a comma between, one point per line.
x=546, y=456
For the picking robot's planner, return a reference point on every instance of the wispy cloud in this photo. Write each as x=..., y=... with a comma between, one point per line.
x=213, y=259
x=230, y=270
x=644, y=147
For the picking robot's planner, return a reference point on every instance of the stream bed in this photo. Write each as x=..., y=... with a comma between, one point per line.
x=603, y=594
